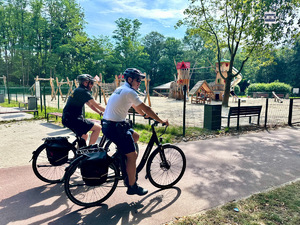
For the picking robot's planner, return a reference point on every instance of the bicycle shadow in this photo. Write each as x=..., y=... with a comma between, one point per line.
x=34, y=204
x=123, y=213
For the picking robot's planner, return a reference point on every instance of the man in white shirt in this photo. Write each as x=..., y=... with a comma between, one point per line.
x=117, y=130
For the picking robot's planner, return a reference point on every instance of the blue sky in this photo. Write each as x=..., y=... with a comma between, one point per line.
x=155, y=15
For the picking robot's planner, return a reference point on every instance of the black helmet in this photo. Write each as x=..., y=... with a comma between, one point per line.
x=133, y=73
x=85, y=77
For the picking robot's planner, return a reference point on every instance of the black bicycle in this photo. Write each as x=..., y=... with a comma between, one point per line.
x=50, y=160
x=165, y=166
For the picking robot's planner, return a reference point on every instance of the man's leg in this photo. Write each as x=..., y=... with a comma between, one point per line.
x=95, y=133
x=85, y=136
x=131, y=167
x=133, y=188
x=135, y=136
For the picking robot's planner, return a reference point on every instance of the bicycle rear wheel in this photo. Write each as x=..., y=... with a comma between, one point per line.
x=43, y=169
x=166, y=173
x=81, y=194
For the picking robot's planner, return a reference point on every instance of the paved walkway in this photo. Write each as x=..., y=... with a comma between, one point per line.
x=218, y=171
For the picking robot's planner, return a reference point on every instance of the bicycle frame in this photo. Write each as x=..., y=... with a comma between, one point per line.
x=153, y=140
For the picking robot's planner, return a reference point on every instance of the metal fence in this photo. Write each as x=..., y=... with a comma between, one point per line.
x=273, y=112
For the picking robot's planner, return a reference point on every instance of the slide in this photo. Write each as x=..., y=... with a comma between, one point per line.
x=235, y=81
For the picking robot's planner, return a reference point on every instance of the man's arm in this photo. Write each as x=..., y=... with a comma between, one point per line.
x=95, y=106
x=144, y=109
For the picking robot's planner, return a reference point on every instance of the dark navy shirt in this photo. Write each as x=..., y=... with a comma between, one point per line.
x=76, y=101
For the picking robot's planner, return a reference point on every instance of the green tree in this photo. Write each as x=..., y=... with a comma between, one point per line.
x=129, y=50
x=231, y=24
x=154, y=44
x=172, y=51
x=200, y=57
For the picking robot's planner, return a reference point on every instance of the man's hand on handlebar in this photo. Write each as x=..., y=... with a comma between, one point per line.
x=165, y=122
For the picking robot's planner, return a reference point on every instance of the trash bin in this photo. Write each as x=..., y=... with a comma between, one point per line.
x=212, y=117
x=1, y=98
x=32, y=101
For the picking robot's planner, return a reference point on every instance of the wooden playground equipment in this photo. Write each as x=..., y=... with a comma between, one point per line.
x=277, y=98
x=59, y=84
x=37, y=80
x=215, y=91
x=100, y=88
x=201, y=93
x=108, y=88
x=183, y=78
x=4, y=80
x=54, y=91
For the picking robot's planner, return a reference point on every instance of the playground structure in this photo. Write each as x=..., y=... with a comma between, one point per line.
x=183, y=79
x=277, y=98
x=219, y=85
x=59, y=84
x=108, y=88
x=35, y=88
x=203, y=92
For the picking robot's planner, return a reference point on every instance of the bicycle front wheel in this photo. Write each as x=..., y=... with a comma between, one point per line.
x=166, y=166
x=81, y=194
x=44, y=170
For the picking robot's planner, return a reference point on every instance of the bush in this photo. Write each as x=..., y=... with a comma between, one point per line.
x=276, y=86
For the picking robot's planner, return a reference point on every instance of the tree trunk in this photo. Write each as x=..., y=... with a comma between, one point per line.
x=227, y=90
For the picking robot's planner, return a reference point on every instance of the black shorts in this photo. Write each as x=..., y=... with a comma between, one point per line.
x=78, y=125
x=121, y=134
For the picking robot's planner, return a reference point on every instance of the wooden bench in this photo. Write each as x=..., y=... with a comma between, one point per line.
x=56, y=114
x=133, y=113
x=36, y=112
x=243, y=111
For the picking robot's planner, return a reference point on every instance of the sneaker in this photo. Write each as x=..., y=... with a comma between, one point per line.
x=136, y=190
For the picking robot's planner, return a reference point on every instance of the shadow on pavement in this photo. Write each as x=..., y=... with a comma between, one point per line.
x=32, y=206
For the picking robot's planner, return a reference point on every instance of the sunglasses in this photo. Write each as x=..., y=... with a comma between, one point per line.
x=138, y=80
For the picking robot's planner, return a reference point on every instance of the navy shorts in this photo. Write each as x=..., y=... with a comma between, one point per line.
x=78, y=125
x=121, y=134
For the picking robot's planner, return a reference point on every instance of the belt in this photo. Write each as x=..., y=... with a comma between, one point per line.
x=112, y=122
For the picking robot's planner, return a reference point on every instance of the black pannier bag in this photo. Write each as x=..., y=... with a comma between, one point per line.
x=94, y=168
x=57, y=150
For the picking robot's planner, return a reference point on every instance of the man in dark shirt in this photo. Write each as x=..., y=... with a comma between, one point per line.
x=72, y=113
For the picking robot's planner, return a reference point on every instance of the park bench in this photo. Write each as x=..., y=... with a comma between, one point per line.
x=36, y=112
x=243, y=111
x=133, y=113
x=56, y=114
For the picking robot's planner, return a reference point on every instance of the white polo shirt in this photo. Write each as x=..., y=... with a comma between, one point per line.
x=120, y=102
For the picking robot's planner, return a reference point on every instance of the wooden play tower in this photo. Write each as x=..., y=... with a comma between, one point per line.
x=183, y=78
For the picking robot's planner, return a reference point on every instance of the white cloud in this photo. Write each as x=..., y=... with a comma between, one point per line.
x=140, y=9
x=158, y=15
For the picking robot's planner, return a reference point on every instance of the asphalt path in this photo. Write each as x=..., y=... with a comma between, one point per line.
x=218, y=170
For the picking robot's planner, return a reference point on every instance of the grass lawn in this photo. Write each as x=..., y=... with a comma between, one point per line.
x=277, y=206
